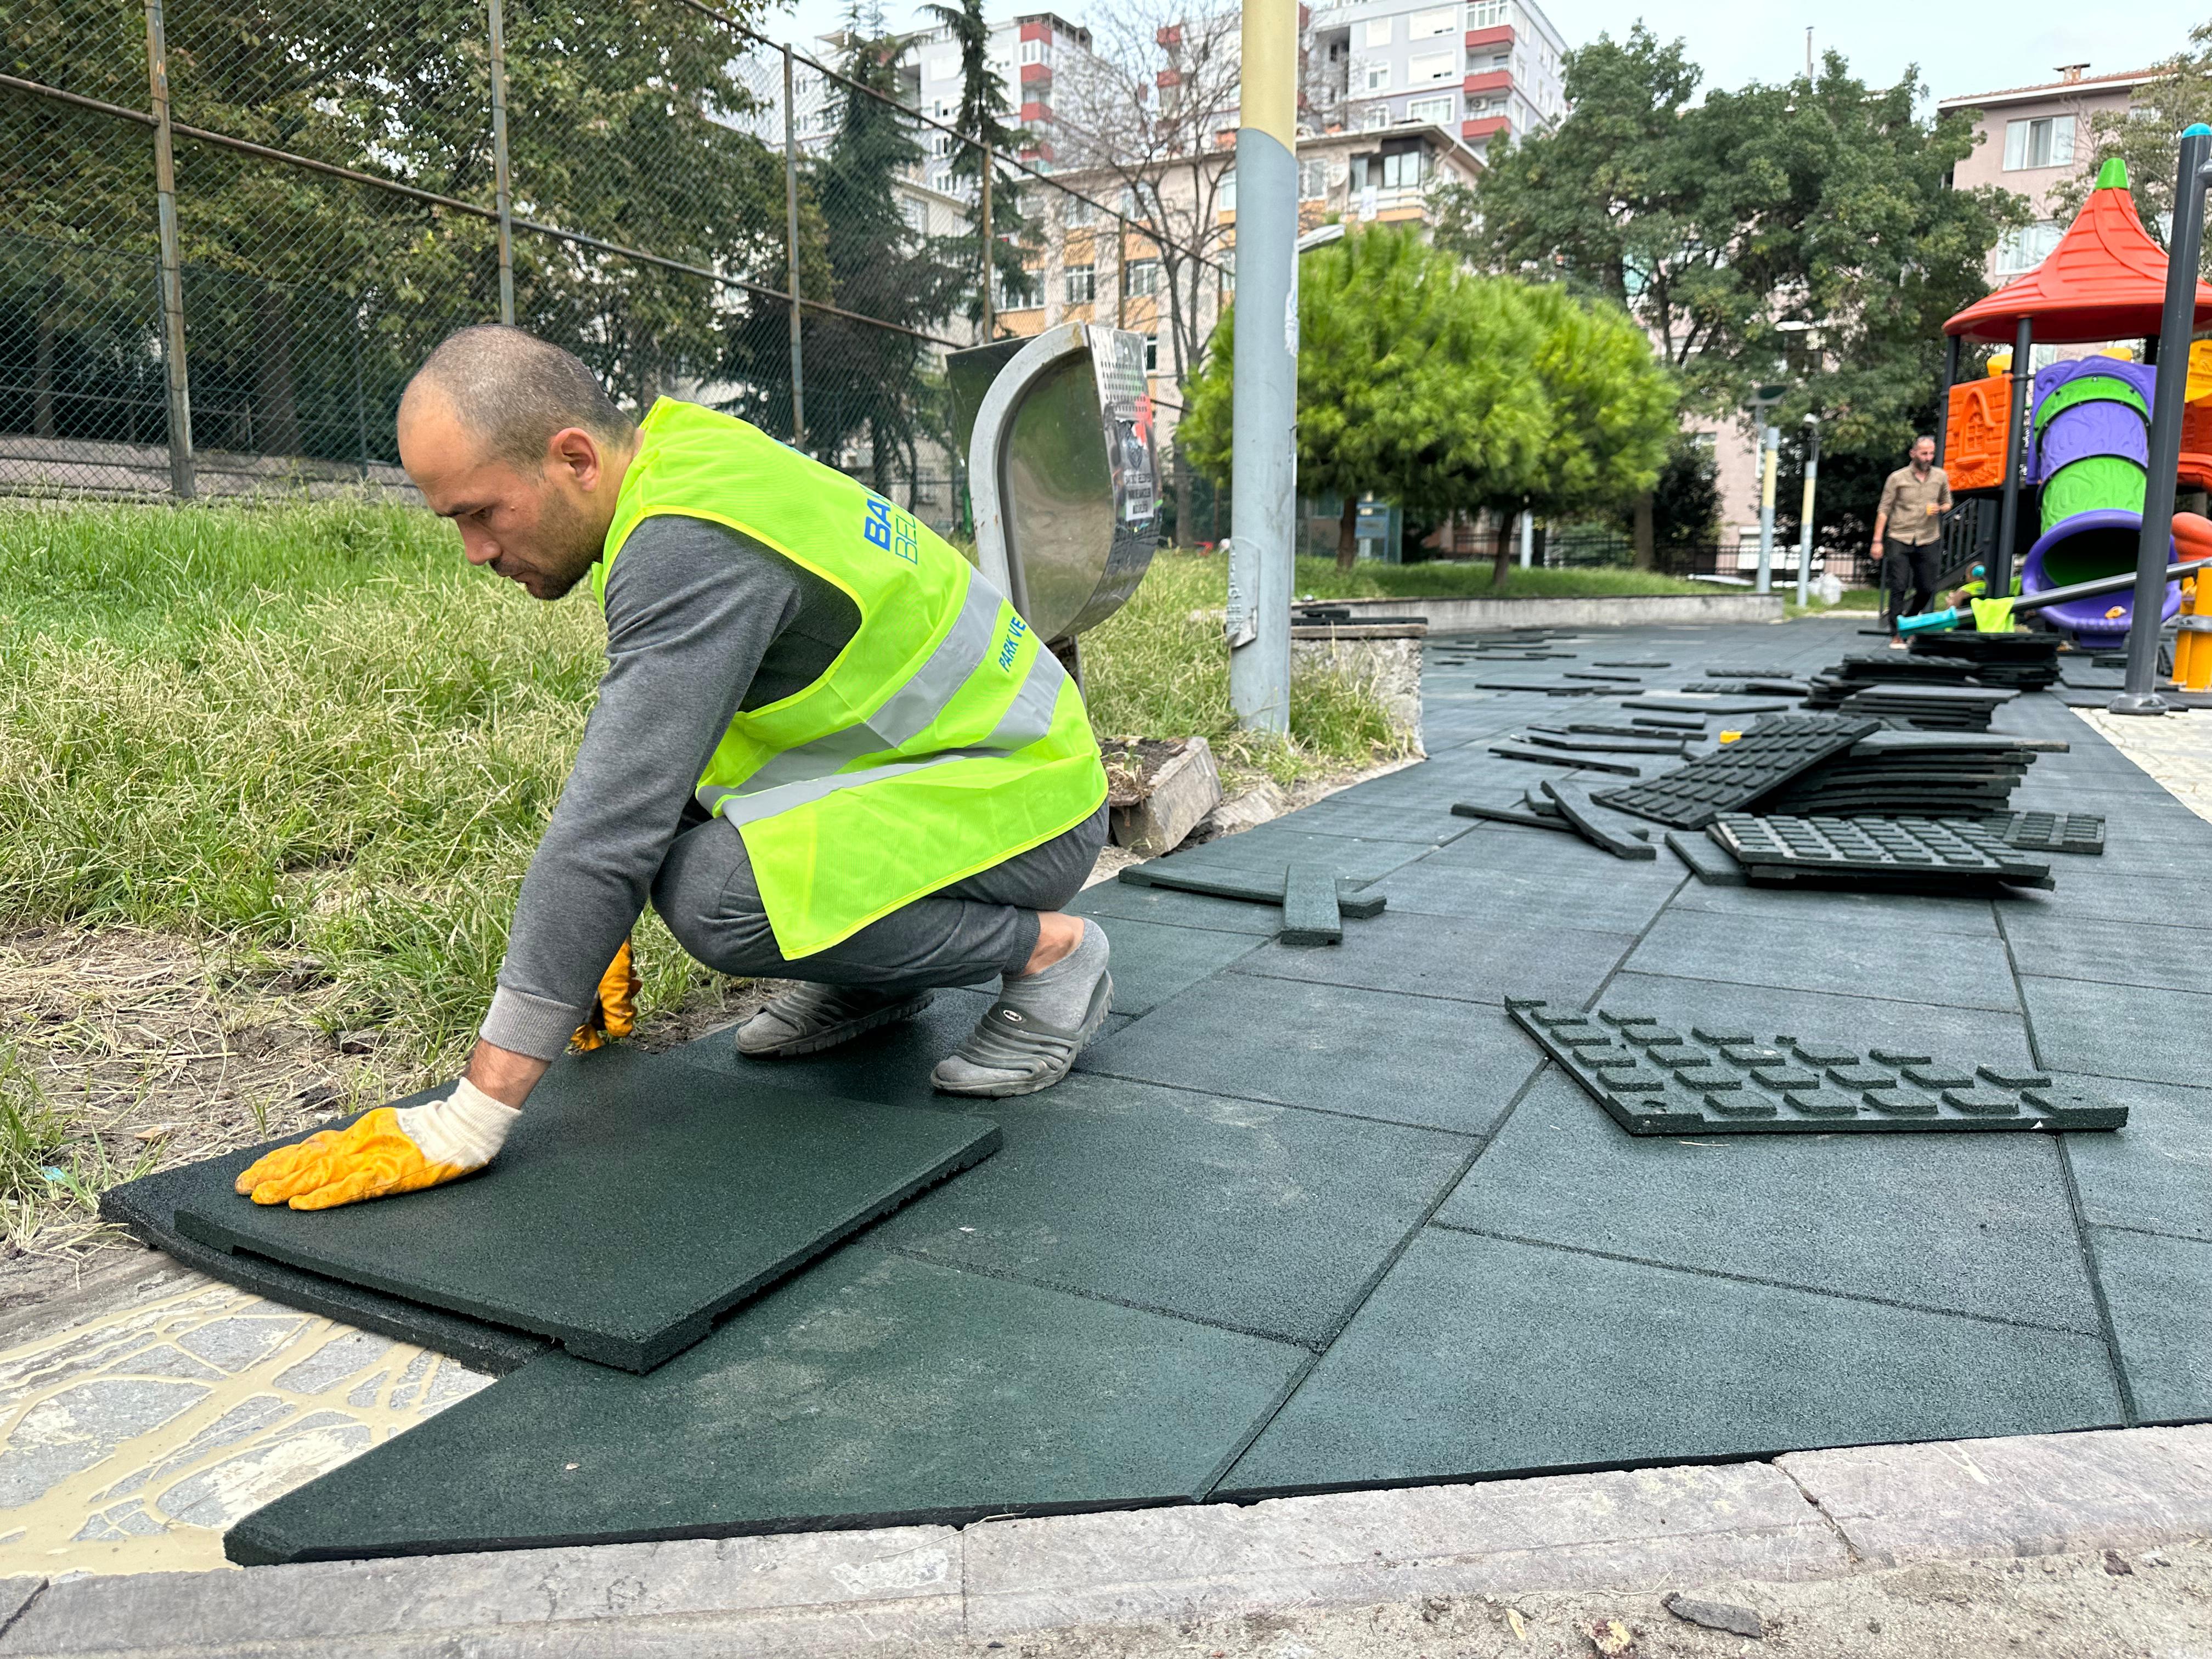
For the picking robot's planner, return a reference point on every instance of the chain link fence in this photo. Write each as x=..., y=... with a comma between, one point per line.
x=229, y=231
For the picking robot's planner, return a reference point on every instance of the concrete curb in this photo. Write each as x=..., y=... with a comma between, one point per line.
x=911, y=1589
x=1475, y=616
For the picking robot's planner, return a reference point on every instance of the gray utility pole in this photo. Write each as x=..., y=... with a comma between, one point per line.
x=181, y=480
x=791, y=247
x=1769, y=446
x=1263, y=453
x=1805, y=513
x=501, y=180
x=990, y=318
x=2176, y=322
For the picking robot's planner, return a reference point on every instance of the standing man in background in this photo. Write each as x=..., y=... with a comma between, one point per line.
x=1908, y=535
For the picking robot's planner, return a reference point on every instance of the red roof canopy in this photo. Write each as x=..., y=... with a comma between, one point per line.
x=2105, y=280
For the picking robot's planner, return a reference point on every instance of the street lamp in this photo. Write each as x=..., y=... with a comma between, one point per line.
x=1798, y=326
x=1769, y=446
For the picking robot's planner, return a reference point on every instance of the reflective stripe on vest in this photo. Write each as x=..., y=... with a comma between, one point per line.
x=944, y=739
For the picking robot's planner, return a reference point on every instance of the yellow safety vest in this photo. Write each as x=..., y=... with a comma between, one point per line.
x=942, y=740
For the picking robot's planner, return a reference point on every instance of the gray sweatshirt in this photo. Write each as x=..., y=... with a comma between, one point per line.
x=702, y=622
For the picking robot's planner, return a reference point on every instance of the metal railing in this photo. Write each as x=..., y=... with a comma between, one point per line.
x=229, y=234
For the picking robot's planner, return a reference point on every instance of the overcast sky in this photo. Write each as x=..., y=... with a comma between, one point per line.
x=1736, y=42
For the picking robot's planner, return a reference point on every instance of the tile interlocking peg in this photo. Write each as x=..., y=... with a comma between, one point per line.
x=2052, y=832
x=1769, y=754
x=1653, y=1081
x=1782, y=849
x=1250, y=888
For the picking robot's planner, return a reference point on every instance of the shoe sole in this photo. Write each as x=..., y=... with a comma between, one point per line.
x=1101, y=1004
x=835, y=1034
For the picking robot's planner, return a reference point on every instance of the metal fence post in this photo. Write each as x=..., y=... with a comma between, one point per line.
x=1121, y=271
x=181, y=479
x=791, y=247
x=990, y=321
x=500, y=177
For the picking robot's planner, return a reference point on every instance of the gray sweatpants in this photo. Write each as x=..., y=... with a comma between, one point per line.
x=958, y=935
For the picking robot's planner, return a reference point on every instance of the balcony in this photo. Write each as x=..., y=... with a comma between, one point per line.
x=1502, y=35
x=1476, y=131
x=1037, y=74
x=1489, y=81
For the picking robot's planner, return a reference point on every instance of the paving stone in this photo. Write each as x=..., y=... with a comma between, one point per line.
x=1448, y=957
x=2023, y=1496
x=2119, y=1031
x=1969, y=1225
x=1265, y=1218
x=1483, y=1356
x=1422, y=1060
x=612, y=1144
x=2157, y=1174
x=1152, y=960
x=2158, y=1290
x=2056, y=945
x=875, y=1385
x=1874, y=959
x=1310, y=916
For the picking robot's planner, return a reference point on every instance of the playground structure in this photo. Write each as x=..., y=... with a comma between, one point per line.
x=2085, y=437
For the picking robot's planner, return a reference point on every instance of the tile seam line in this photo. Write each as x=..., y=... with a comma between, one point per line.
x=1433, y=996
x=2123, y=1385
x=1808, y=991
x=1288, y=1105
x=1227, y=1466
x=1898, y=1303
x=2147, y=1232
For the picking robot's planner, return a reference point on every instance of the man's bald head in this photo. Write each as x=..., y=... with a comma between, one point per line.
x=511, y=392
x=516, y=441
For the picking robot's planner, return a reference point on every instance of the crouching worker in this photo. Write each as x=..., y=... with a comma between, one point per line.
x=824, y=749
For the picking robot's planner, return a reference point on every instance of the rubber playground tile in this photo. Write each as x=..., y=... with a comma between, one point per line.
x=1425, y=825
x=1268, y=1219
x=612, y=1145
x=1152, y=962
x=889, y=1065
x=1880, y=958
x=2156, y=1174
x=1171, y=909
x=1469, y=959
x=1275, y=847
x=1953, y=1223
x=2103, y=895
x=1864, y=1022
x=1421, y=1060
x=1479, y=1356
x=2158, y=1290
x=1919, y=914
x=2054, y=945
x=874, y=1390
x=1592, y=891
x=2119, y=1031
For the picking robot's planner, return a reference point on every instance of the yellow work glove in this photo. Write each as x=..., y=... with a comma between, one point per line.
x=391, y=1150
x=615, y=1012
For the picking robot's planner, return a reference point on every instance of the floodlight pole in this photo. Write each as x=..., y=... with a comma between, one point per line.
x=2184, y=247
x=1263, y=455
x=1769, y=446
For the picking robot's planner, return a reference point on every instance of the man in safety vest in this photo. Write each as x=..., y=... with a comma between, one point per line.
x=824, y=748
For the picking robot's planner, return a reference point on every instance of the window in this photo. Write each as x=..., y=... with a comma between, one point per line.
x=940, y=144
x=1082, y=284
x=1503, y=60
x=1378, y=31
x=1032, y=51
x=1379, y=77
x=1375, y=119
x=2048, y=142
x=1228, y=272
x=1488, y=14
x=1143, y=277
x=1437, y=66
x=1077, y=212
x=1313, y=181
x=1225, y=193
x=1152, y=353
x=1402, y=171
x=2024, y=249
x=1423, y=24
x=1438, y=110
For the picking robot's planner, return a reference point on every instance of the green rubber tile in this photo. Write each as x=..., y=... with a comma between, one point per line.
x=1950, y=1222
x=1152, y=962
x=873, y=1390
x=1864, y=1022
x=889, y=1065
x=1265, y=1218
x=1471, y=959
x=1810, y=954
x=1915, y=913
x=1310, y=915
x=614, y=1146
x=2118, y=1030
x=2160, y=1292
x=2156, y=1174
x=1274, y=847
x=2054, y=945
x=1369, y=1053
x=1174, y=909
x=1479, y=1357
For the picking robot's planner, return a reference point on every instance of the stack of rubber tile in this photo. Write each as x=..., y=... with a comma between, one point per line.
x=1730, y=779
x=1830, y=687
x=1912, y=774
x=1931, y=708
x=1959, y=855
x=2024, y=662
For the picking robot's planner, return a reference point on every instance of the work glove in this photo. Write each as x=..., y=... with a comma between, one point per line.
x=392, y=1150
x=614, y=1013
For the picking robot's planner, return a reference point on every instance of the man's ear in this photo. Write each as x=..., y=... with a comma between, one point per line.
x=574, y=450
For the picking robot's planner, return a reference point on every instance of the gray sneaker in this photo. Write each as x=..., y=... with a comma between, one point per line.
x=1013, y=1053
x=808, y=1019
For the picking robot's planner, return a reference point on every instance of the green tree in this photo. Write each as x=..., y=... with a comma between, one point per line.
x=982, y=98
x=1822, y=200
x=2147, y=137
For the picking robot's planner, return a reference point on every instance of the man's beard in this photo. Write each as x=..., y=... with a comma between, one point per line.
x=562, y=525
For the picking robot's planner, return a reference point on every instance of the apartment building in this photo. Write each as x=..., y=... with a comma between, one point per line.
x=2032, y=141
x=1480, y=68
x=1032, y=53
